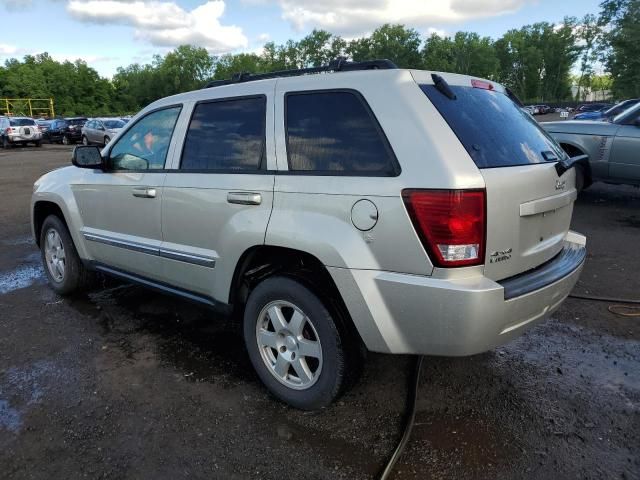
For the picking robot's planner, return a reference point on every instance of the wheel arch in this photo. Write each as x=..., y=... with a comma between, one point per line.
x=41, y=210
x=262, y=261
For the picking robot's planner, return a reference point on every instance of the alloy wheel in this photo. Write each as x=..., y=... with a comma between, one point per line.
x=289, y=345
x=55, y=255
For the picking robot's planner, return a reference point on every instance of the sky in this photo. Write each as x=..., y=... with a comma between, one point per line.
x=112, y=33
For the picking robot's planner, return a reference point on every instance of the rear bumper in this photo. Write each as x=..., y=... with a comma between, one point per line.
x=17, y=138
x=412, y=314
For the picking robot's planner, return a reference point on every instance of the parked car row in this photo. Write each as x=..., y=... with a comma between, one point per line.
x=65, y=131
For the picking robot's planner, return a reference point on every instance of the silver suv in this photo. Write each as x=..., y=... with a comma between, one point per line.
x=19, y=131
x=398, y=211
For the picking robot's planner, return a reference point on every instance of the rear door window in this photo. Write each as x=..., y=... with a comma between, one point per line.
x=226, y=135
x=335, y=133
x=493, y=129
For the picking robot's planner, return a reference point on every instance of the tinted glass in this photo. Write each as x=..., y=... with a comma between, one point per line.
x=226, y=135
x=22, y=122
x=77, y=121
x=494, y=130
x=335, y=132
x=144, y=146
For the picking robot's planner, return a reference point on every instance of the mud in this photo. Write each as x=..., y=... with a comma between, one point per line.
x=128, y=383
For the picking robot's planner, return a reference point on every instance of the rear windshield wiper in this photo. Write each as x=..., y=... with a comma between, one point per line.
x=563, y=165
x=442, y=86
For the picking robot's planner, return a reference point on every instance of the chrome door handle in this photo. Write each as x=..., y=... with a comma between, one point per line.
x=144, y=192
x=244, y=198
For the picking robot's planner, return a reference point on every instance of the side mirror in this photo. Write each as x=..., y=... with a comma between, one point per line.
x=87, y=156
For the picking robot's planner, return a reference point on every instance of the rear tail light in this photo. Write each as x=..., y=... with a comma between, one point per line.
x=8, y=130
x=450, y=223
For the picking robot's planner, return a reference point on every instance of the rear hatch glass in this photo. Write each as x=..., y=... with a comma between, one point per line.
x=22, y=122
x=528, y=206
x=492, y=128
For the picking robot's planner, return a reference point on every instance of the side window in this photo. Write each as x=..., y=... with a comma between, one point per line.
x=144, y=146
x=334, y=132
x=226, y=135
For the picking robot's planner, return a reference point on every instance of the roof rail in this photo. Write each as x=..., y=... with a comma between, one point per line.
x=340, y=64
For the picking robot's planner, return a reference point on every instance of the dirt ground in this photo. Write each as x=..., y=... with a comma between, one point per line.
x=126, y=384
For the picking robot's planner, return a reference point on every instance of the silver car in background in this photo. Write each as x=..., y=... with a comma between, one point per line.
x=100, y=131
x=613, y=147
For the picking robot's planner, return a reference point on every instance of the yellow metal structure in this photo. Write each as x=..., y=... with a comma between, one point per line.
x=28, y=107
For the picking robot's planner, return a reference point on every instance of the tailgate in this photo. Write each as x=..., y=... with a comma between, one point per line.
x=528, y=215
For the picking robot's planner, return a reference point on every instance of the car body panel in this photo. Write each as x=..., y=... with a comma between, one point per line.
x=613, y=148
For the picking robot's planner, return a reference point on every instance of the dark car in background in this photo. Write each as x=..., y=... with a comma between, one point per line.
x=43, y=125
x=65, y=130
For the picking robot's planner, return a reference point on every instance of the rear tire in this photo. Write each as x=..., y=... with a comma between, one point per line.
x=294, y=343
x=38, y=143
x=6, y=143
x=62, y=265
x=65, y=140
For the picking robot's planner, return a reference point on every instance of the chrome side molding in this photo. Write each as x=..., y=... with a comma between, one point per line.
x=202, y=260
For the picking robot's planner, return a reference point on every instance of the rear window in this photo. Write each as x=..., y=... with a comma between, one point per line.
x=493, y=129
x=22, y=122
x=114, y=123
x=335, y=133
x=77, y=121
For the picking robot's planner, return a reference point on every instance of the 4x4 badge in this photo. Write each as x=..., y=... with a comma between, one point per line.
x=500, y=256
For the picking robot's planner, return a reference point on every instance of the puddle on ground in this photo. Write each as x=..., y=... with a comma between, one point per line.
x=21, y=388
x=606, y=362
x=20, y=240
x=10, y=418
x=21, y=277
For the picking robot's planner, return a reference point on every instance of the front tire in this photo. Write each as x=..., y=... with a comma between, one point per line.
x=62, y=265
x=6, y=143
x=294, y=344
x=65, y=140
x=85, y=140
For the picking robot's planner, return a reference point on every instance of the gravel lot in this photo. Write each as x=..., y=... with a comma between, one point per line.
x=127, y=383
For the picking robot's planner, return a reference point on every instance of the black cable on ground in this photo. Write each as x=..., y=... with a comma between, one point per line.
x=604, y=299
x=618, y=309
x=410, y=418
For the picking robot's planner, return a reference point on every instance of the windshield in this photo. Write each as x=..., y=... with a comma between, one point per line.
x=493, y=129
x=21, y=122
x=113, y=123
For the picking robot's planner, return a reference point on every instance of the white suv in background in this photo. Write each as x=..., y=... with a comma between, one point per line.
x=333, y=208
x=19, y=130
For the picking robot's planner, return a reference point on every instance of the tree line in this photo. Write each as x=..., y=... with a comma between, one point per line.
x=535, y=61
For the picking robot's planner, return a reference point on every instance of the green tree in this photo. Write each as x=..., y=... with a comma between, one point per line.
x=467, y=53
x=589, y=34
x=397, y=43
x=622, y=45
